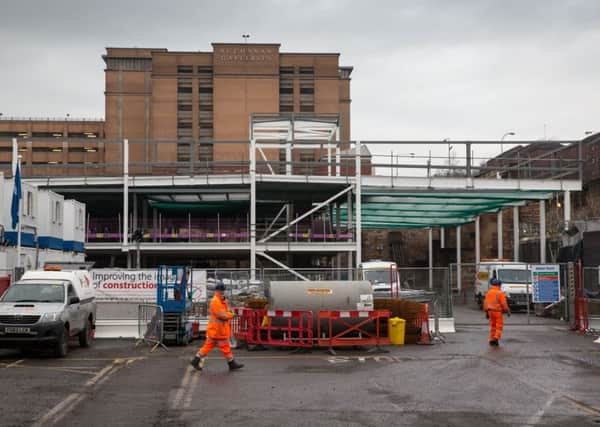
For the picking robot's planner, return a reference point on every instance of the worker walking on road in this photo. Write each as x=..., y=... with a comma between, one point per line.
x=218, y=331
x=494, y=305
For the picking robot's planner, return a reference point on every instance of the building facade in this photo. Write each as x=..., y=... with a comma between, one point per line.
x=190, y=100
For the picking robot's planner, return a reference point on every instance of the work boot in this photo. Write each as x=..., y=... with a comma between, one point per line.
x=195, y=362
x=494, y=343
x=233, y=365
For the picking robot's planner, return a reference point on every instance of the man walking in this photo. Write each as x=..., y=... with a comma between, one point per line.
x=218, y=331
x=494, y=305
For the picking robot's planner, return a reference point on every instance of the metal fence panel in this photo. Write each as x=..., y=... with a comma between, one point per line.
x=151, y=325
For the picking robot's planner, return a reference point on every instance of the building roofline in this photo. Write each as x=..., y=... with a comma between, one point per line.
x=245, y=44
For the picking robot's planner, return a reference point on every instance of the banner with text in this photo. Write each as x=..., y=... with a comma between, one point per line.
x=140, y=285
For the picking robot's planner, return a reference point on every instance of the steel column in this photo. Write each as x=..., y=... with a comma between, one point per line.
x=516, y=233
x=252, y=207
x=567, y=208
x=125, y=239
x=458, y=260
x=477, y=240
x=358, y=201
x=542, y=231
x=499, y=232
x=430, y=235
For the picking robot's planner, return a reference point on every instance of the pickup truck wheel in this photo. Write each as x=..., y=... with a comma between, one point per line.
x=62, y=347
x=87, y=335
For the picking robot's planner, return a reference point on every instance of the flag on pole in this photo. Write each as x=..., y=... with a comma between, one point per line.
x=16, y=198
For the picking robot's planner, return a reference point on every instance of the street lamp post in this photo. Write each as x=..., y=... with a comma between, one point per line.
x=502, y=140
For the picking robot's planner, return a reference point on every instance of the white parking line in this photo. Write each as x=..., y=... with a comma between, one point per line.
x=181, y=391
x=59, y=411
x=190, y=393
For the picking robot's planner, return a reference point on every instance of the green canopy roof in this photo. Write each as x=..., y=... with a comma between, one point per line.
x=390, y=210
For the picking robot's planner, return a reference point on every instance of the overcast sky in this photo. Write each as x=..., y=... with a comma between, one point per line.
x=422, y=69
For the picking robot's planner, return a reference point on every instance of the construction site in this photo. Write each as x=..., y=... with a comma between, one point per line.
x=130, y=229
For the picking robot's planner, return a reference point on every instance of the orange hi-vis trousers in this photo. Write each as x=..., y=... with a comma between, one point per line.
x=210, y=343
x=496, y=324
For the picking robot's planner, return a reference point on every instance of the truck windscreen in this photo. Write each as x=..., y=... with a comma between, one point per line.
x=35, y=293
x=377, y=276
x=514, y=276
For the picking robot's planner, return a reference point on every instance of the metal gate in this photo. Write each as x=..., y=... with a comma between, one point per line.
x=463, y=278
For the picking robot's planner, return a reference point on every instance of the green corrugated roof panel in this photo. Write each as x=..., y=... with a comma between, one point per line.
x=392, y=210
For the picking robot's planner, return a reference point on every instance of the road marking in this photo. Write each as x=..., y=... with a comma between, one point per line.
x=67, y=401
x=15, y=364
x=583, y=406
x=537, y=417
x=59, y=411
x=190, y=393
x=586, y=408
x=182, y=388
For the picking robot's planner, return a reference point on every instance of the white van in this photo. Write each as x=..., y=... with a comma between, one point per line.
x=48, y=308
x=514, y=277
x=383, y=276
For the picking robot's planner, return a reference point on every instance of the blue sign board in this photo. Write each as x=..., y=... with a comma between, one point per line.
x=546, y=283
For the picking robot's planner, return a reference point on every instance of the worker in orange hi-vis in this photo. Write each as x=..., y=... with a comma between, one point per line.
x=218, y=331
x=494, y=305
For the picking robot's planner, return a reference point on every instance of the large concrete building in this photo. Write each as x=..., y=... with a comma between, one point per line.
x=191, y=99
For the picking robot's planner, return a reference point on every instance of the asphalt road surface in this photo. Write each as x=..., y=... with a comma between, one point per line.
x=541, y=375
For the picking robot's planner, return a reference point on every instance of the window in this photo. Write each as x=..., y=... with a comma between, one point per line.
x=29, y=204
x=286, y=70
x=71, y=292
x=286, y=90
x=80, y=218
x=205, y=69
x=184, y=125
x=307, y=90
x=307, y=70
x=57, y=213
x=184, y=107
x=184, y=89
x=205, y=89
x=185, y=69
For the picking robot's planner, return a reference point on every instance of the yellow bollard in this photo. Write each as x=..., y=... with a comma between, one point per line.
x=397, y=330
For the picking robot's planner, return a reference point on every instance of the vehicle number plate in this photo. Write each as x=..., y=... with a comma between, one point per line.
x=16, y=330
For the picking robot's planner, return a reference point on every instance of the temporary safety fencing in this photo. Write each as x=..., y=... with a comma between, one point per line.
x=352, y=328
x=151, y=326
x=295, y=328
x=273, y=327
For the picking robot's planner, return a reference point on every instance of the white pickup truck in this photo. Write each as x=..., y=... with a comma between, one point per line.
x=47, y=308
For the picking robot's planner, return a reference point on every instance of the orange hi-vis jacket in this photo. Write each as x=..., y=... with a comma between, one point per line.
x=219, y=316
x=495, y=300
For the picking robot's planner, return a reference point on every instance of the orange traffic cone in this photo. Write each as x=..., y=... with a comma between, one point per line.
x=425, y=338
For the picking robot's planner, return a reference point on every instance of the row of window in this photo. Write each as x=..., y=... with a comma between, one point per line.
x=207, y=69
x=189, y=69
x=299, y=70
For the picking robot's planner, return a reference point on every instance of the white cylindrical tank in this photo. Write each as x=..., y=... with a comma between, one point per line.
x=320, y=295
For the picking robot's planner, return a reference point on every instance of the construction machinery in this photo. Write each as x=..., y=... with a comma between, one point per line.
x=174, y=295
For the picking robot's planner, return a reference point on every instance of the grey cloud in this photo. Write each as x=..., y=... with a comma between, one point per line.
x=426, y=69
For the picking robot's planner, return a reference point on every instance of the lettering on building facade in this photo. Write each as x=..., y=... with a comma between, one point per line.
x=245, y=54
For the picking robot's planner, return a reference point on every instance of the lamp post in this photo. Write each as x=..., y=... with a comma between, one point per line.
x=449, y=156
x=502, y=140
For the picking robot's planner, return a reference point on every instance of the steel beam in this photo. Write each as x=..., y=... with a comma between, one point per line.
x=304, y=215
x=282, y=265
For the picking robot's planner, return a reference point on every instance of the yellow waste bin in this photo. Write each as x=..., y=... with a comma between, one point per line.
x=397, y=329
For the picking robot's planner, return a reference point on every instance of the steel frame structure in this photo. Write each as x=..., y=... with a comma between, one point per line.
x=296, y=132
